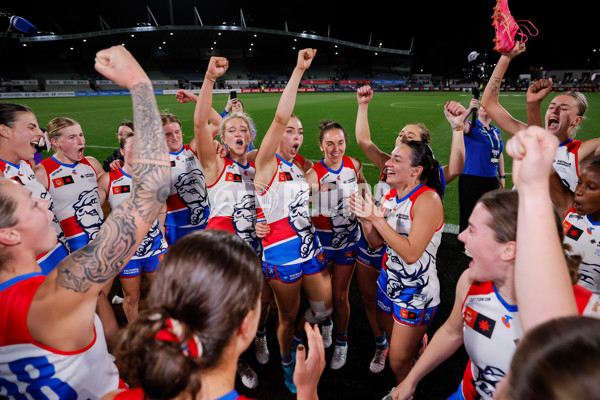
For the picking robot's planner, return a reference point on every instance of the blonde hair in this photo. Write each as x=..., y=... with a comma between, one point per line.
x=582, y=106
x=55, y=126
x=243, y=116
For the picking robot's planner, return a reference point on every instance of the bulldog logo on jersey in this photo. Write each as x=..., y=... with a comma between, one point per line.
x=148, y=242
x=88, y=213
x=344, y=225
x=191, y=190
x=300, y=221
x=487, y=380
x=244, y=219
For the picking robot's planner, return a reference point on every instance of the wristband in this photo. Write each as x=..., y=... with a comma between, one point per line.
x=207, y=76
x=458, y=128
x=502, y=176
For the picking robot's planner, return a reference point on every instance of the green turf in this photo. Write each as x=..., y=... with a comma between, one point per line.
x=388, y=113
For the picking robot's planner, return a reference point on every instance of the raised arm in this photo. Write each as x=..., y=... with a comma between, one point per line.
x=455, y=114
x=363, y=133
x=536, y=93
x=265, y=158
x=501, y=171
x=540, y=255
x=185, y=96
x=202, y=131
x=490, y=101
x=63, y=307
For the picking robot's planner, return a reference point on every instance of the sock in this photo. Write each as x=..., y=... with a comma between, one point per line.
x=286, y=361
x=341, y=338
x=298, y=338
x=328, y=322
x=381, y=342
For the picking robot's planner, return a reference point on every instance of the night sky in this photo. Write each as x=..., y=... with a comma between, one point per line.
x=444, y=32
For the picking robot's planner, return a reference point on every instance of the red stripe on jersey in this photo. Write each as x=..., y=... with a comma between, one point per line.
x=221, y=223
x=477, y=289
x=280, y=230
x=468, y=388
x=70, y=227
x=322, y=223
x=174, y=203
x=582, y=297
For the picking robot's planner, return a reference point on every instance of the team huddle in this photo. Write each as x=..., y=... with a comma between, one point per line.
x=221, y=229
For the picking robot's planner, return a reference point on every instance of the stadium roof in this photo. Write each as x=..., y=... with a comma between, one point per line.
x=440, y=34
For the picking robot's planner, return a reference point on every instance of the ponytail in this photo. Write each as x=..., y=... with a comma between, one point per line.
x=421, y=155
x=163, y=367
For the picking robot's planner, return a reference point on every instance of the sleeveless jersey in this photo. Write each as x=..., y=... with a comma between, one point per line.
x=28, y=367
x=233, y=202
x=187, y=205
x=491, y=331
x=23, y=173
x=336, y=227
x=583, y=234
x=74, y=188
x=413, y=286
x=119, y=188
x=566, y=162
x=284, y=204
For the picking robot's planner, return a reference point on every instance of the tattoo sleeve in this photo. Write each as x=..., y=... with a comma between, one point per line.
x=495, y=85
x=127, y=224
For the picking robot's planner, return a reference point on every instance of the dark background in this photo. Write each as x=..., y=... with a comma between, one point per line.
x=444, y=32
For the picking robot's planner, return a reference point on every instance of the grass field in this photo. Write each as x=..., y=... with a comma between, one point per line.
x=388, y=113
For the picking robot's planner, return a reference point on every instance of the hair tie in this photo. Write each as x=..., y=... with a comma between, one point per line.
x=174, y=333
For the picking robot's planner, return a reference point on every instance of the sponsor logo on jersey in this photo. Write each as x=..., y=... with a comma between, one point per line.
x=285, y=176
x=479, y=322
x=64, y=180
x=16, y=178
x=571, y=231
x=172, y=163
x=231, y=177
x=506, y=320
x=121, y=189
x=321, y=256
x=404, y=313
x=563, y=163
x=590, y=229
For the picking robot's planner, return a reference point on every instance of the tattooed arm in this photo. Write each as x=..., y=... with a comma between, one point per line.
x=62, y=311
x=490, y=102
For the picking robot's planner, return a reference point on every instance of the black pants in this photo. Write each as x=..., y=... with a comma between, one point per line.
x=470, y=189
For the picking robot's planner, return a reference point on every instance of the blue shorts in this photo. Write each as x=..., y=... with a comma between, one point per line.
x=174, y=233
x=404, y=316
x=136, y=267
x=345, y=256
x=292, y=273
x=371, y=258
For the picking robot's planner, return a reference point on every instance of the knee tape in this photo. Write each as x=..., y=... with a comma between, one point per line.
x=317, y=312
